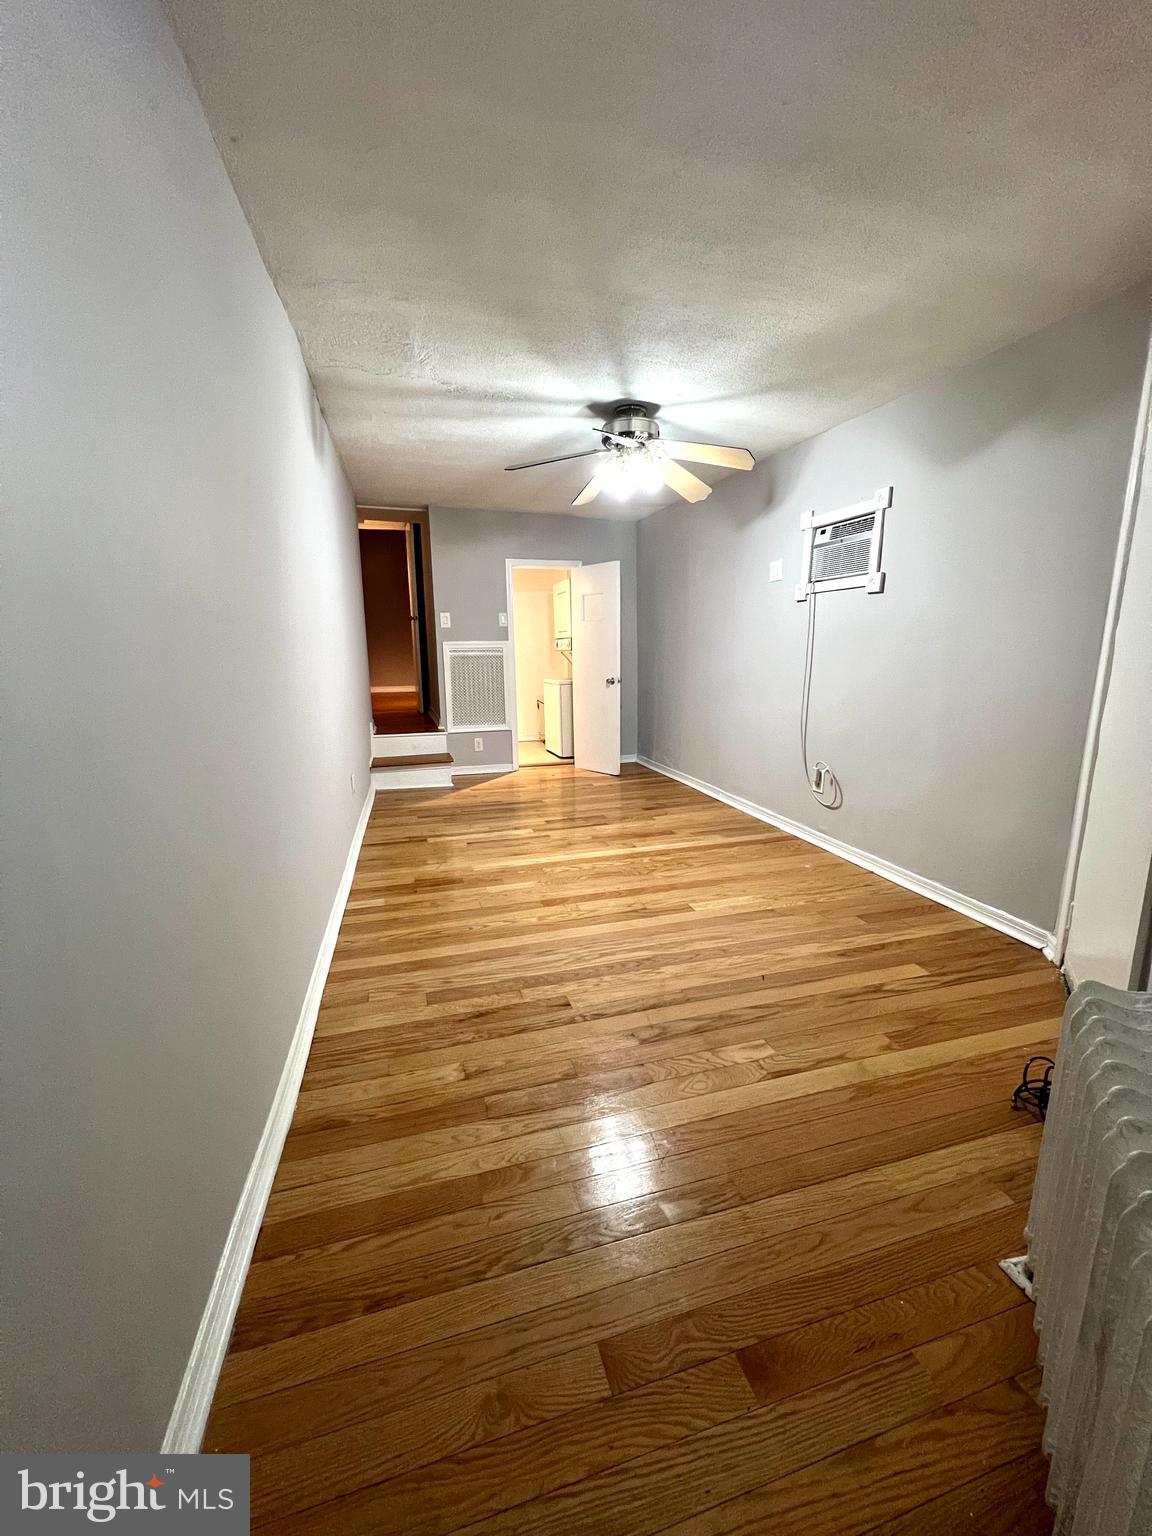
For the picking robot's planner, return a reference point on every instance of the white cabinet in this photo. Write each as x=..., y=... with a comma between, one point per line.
x=558, y=716
x=562, y=610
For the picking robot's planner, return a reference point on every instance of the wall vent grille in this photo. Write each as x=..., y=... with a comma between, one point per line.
x=845, y=549
x=476, y=685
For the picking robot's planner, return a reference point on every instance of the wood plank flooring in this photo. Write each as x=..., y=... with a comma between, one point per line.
x=648, y=1175
x=399, y=714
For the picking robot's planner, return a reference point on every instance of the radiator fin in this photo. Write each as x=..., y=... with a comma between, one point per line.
x=1090, y=1255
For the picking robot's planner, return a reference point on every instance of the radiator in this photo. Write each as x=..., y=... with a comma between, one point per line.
x=1090, y=1257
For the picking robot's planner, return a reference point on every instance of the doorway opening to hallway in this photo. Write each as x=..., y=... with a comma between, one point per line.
x=395, y=570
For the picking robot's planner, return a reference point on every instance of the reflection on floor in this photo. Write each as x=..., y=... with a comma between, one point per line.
x=395, y=714
x=534, y=754
x=650, y=1171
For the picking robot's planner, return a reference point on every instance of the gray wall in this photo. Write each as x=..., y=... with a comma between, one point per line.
x=184, y=704
x=952, y=707
x=469, y=549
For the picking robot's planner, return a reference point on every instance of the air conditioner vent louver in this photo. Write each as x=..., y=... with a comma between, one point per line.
x=476, y=687
x=841, y=557
x=852, y=530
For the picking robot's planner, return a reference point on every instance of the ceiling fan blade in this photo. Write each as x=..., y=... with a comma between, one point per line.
x=709, y=453
x=683, y=481
x=589, y=493
x=536, y=463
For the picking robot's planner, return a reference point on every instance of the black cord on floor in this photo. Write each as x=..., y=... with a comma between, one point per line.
x=1035, y=1088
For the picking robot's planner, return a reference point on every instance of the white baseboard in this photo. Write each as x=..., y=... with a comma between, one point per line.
x=991, y=917
x=190, y=1414
x=630, y=757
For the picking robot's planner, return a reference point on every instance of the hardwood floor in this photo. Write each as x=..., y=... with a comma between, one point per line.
x=649, y=1175
x=399, y=714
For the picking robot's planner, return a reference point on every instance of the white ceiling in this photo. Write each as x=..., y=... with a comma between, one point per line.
x=766, y=215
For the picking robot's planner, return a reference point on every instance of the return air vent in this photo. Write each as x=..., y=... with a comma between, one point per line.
x=476, y=685
x=842, y=549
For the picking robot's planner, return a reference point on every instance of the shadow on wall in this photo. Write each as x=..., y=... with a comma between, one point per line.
x=321, y=442
x=1017, y=385
x=1021, y=384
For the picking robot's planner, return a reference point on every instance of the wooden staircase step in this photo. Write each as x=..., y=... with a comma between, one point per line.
x=413, y=760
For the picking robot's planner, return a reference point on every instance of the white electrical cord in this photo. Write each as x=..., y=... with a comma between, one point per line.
x=829, y=794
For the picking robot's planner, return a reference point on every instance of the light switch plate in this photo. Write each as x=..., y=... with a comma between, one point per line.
x=502, y=620
x=776, y=571
x=445, y=621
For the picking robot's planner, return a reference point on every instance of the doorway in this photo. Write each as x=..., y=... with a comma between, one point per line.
x=564, y=634
x=540, y=630
x=396, y=575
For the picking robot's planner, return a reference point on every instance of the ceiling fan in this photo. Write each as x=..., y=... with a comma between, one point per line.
x=634, y=457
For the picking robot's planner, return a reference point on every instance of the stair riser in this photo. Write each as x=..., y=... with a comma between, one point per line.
x=415, y=744
x=412, y=778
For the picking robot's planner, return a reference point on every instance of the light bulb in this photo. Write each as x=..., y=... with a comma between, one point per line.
x=647, y=474
x=616, y=475
x=630, y=470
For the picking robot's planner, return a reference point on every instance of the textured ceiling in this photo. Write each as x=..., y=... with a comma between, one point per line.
x=767, y=215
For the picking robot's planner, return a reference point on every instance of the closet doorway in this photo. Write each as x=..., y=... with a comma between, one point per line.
x=564, y=634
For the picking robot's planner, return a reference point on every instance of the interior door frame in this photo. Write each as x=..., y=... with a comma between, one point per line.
x=427, y=637
x=510, y=566
x=414, y=613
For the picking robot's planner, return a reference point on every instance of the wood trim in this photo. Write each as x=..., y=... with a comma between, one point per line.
x=413, y=760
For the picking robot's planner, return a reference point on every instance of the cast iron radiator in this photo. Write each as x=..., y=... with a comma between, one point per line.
x=1090, y=1255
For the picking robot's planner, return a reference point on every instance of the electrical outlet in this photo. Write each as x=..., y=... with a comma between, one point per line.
x=776, y=571
x=445, y=621
x=477, y=743
x=502, y=620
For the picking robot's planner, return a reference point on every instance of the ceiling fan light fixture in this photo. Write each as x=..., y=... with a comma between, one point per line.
x=634, y=458
x=632, y=471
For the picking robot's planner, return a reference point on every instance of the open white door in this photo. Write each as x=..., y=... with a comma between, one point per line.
x=596, y=666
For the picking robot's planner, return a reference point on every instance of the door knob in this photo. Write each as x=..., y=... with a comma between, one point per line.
x=610, y=681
